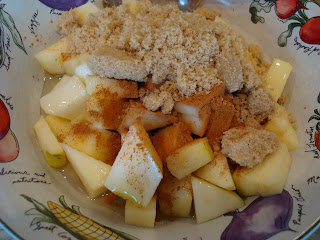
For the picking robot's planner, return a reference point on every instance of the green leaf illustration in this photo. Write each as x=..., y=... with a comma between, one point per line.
x=2, y=51
x=75, y=209
x=256, y=7
x=316, y=111
x=8, y=21
x=39, y=206
x=282, y=40
x=316, y=117
x=318, y=127
x=318, y=98
x=303, y=15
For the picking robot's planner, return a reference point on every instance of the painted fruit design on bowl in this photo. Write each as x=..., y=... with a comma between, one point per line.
x=294, y=11
x=316, y=117
x=263, y=218
x=9, y=146
x=63, y=5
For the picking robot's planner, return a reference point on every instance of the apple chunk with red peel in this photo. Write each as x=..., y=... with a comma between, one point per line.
x=150, y=120
x=137, y=170
x=211, y=201
x=189, y=158
x=91, y=172
x=175, y=196
x=217, y=172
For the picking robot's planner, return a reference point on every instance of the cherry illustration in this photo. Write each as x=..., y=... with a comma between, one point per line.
x=4, y=120
x=310, y=31
x=286, y=8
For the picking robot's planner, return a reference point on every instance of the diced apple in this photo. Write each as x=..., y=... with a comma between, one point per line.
x=134, y=6
x=67, y=100
x=82, y=13
x=150, y=120
x=197, y=124
x=51, y=59
x=280, y=124
x=169, y=139
x=211, y=201
x=72, y=63
x=189, y=158
x=49, y=144
x=124, y=88
x=83, y=70
x=192, y=105
x=277, y=77
x=61, y=81
x=137, y=170
x=217, y=172
x=141, y=216
x=220, y=120
x=58, y=125
x=100, y=144
x=105, y=110
x=266, y=178
x=92, y=173
x=175, y=196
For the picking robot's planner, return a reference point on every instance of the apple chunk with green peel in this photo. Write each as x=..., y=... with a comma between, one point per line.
x=137, y=170
x=211, y=201
x=175, y=196
x=67, y=100
x=189, y=158
x=49, y=144
x=51, y=59
x=141, y=216
x=280, y=124
x=217, y=172
x=266, y=178
x=92, y=173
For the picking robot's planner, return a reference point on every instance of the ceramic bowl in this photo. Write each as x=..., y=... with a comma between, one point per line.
x=32, y=192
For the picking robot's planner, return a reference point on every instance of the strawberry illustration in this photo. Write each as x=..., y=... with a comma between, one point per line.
x=286, y=8
x=310, y=31
x=316, y=117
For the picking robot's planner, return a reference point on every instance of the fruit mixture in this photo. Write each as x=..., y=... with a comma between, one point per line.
x=164, y=108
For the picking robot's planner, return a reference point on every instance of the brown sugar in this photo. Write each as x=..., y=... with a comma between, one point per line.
x=66, y=23
x=248, y=146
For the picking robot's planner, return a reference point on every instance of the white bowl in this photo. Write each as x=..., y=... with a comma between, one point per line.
x=29, y=187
